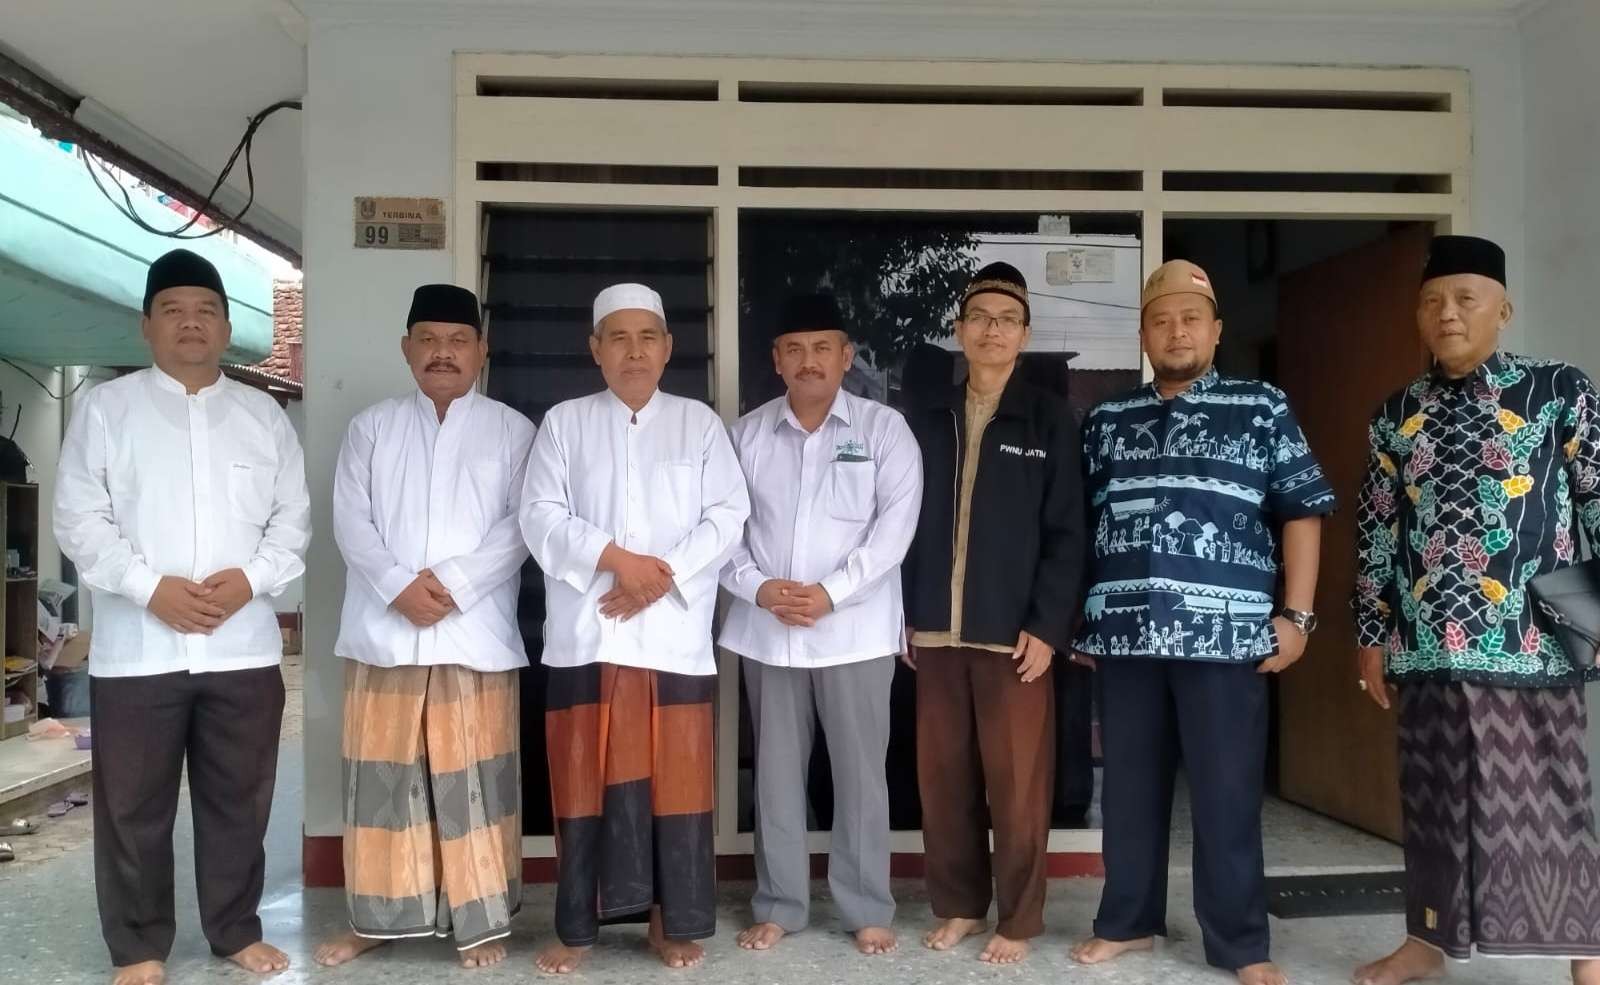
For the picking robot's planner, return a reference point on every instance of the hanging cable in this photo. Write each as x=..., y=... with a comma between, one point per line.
x=206, y=207
x=41, y=384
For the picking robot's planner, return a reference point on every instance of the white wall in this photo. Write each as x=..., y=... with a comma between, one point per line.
x=1561, y=91
x=39, y=437
x=295, y=595
x=378, y=121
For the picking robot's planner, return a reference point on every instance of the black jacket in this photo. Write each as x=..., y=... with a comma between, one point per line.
x=1025, y=543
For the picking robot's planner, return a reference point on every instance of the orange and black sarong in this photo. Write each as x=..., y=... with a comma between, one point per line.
x=433, y=802
x=632, y=777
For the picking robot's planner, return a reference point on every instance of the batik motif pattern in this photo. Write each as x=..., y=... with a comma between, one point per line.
x=1500, y=845
x=1474, y=488
x=1188, y=495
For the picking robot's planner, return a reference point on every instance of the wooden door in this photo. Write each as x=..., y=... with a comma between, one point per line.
x=1347, y=338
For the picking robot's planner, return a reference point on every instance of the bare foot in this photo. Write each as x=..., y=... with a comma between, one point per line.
x=673, y=954
x=1003, y=950
x=143, y=973
x=881, y=940
x=952, y=932
x=343, y=948
x=679, y=954
x=261, y=958
x=761, y=936
x=1586, y=972
x=559, y=959
x=484, y=955
x=1265, y=973
x=1413, y=962
x=1098, y=950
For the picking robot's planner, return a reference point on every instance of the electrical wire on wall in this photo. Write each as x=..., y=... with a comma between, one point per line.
x=44, y=386
x=202, y=209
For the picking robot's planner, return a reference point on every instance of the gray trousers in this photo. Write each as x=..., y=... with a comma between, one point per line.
x=853, y=702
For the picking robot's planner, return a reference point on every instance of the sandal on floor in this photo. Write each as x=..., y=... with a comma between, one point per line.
x=20, y=826
x=78, y=798
x=59, y=808
x=6, y=854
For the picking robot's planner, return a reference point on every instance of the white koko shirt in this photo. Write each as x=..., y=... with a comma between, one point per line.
x=836, y=506
x=412, y=492
x=153, y=482
x=662, y=482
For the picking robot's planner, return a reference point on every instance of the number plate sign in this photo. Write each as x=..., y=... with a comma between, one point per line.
x=400, y=223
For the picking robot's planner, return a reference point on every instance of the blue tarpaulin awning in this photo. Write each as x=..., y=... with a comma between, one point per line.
x=72, y=268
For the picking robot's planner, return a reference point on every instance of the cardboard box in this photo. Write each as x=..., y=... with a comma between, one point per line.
x=74, y=652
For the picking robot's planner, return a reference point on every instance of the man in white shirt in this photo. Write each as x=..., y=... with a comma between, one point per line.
x=425, y=512
x=835, y=485
x=181, y=497
x=632, y=503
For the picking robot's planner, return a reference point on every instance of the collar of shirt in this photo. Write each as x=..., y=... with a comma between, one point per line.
x=839, y=409
x=1486, y=371
x=171, y=385
x=643, y=415
x=458, y=409
x=1201, y=385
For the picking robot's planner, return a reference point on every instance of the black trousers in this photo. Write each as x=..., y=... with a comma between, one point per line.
x=227, y=726
x=1216, y=714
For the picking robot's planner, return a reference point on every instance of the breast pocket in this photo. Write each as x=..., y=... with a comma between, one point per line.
x=852, y=490
x=489, y=479
x=250, y=491
x=675, y=487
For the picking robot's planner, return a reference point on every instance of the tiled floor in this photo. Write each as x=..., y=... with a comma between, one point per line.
x=50, y=932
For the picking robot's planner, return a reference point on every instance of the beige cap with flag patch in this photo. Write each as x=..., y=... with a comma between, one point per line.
x=1177, y=277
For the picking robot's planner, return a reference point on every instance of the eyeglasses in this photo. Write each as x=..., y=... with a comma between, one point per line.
x=982, y=320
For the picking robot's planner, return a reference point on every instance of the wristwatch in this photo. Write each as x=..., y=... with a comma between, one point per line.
x=1306, y=622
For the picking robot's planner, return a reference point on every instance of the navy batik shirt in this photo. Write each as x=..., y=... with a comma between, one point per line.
x=1187, y=496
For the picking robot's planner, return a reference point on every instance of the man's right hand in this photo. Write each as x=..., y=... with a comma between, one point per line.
x=640, y=575
x=1369, y=664
x=424, y=602
x=183, y=605
x=775, y=592
x=909, y=658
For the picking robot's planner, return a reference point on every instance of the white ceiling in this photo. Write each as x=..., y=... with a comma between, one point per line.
x=188, y=73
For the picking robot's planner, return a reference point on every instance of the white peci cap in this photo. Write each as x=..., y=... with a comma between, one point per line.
x=619, y=297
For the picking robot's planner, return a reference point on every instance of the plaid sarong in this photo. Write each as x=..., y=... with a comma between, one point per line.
x=632, y=778
x=433, y=825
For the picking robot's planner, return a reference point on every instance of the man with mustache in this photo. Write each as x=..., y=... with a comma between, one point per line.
x=835, y=484
x=633, y=501
x=1194, y=481
x=1482, y=473
x=425, y=513
x=181, y=497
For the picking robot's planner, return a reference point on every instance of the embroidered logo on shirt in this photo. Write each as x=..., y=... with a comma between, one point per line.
x=1024, y=452
x=850, y=450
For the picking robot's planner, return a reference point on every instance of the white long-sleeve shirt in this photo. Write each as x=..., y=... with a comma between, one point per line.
x=662, y=482
x=412, y=492
x=155, y=482
x=837, y=507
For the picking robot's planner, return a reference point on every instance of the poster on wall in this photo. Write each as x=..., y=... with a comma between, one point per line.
x=386, y=223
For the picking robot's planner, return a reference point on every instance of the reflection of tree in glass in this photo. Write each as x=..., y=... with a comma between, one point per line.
x=897, y=279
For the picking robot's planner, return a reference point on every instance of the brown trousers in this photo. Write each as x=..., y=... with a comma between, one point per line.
x=985, y=755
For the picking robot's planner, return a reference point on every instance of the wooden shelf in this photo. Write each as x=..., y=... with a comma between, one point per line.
x=19, y=603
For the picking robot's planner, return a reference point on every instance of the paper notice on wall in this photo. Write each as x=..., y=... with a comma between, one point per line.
x=1080, y=265
x=399, y=223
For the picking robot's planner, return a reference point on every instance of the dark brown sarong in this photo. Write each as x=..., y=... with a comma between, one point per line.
x=632, y=778
x=1500, y=845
